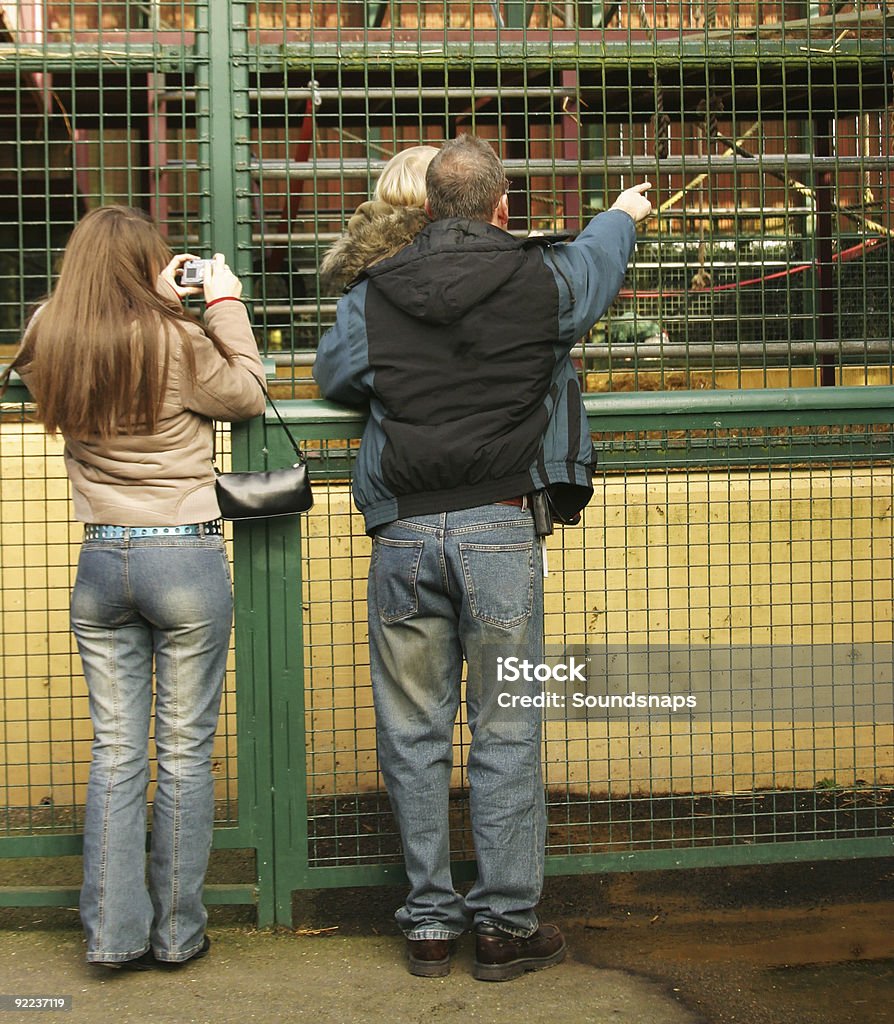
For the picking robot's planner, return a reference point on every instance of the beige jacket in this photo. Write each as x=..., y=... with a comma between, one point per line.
x=167, y=478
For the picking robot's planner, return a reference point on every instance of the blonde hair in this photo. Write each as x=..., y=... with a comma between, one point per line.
x=402, y=182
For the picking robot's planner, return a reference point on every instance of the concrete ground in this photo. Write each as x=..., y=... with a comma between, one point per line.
x=796, y=944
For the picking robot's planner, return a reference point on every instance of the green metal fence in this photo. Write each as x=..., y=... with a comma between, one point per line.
x=757, y=523
x=256, y=127
x=45, y=729
x=755, y=519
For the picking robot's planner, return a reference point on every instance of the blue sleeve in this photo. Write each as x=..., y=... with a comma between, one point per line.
x=590, y=271
x=342, y=365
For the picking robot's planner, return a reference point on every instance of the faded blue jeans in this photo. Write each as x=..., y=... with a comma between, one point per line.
x=135, y=600
x=443, y=589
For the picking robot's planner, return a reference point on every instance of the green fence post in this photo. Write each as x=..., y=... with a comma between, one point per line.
x=221, y=49
x=270, y=670
x=221, y=97
x=254, y=712
x=284, y=544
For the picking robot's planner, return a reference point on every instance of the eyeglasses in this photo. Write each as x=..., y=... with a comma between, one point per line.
x=507, y=186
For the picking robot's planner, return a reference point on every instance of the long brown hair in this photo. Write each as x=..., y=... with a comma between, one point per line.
x=98, y=348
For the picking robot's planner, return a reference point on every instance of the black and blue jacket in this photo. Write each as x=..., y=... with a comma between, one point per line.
x=459, y=345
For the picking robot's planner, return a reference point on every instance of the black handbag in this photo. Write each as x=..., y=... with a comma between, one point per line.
x=262, y=494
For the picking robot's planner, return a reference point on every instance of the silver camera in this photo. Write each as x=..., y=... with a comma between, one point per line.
x=192, y=272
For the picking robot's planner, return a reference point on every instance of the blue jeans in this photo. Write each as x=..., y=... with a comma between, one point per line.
x=443, y=589
x=135, y=599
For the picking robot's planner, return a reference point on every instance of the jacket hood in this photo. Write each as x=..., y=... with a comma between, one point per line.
x=451, y=267
x=375, y=232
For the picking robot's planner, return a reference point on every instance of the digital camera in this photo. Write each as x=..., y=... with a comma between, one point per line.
x=193, y=272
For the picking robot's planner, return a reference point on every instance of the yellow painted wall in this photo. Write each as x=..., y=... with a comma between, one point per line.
x=791, y=557
x=743, y=558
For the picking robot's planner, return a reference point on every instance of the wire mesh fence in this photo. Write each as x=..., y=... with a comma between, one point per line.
x=773, y=547
x=85, y=120
x=45, y=728
x=752, y=567
x=766, y=130
x=256, y=128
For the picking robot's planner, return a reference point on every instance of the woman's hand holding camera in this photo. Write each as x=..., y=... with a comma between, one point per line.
x=220, y=282
x=171, y=276
x=217, y=280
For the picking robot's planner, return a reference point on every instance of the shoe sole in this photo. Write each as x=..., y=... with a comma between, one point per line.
x=516, y=968
x=429, y=968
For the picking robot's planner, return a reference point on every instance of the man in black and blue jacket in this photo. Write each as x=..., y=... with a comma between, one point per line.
x=459, y=345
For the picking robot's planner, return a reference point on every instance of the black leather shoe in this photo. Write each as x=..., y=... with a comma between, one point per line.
x=429, y=958
x=500, y=956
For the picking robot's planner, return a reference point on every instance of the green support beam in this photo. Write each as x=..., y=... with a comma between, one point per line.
x=222, y=130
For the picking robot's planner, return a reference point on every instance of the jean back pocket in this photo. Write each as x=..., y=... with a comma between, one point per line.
x=499, y=581
x=395, y=566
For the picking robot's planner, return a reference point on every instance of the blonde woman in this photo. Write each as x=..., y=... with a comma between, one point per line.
x=132, y=383
x=382, y=226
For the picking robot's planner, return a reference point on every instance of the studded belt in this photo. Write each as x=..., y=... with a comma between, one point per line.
x=96, y=531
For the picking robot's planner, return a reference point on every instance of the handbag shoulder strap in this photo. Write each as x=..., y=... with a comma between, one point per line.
x=298, y=452
x=295, y=446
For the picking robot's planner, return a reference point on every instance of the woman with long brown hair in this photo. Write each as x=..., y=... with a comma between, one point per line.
x=133, y=383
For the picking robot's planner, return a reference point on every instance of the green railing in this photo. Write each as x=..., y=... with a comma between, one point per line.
x=755, y=522
x=820, y=455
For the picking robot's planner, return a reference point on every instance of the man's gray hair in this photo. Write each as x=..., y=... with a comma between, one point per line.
x=465, y=179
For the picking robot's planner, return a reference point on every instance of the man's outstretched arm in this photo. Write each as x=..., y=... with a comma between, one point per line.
x=590, y=270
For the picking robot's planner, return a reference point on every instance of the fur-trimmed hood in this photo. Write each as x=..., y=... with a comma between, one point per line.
x=376, y=231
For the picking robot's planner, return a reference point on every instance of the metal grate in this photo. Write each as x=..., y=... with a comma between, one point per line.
x=765, y=129
x=91, y=114
x=46, y=728
x=255, y=128
x=775, y=544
